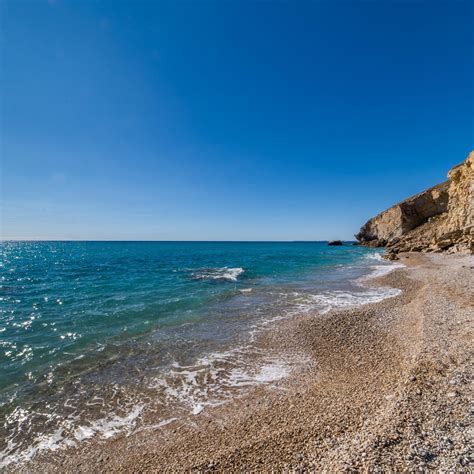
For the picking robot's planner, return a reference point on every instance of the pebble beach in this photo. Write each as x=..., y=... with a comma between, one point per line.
x=385, y=387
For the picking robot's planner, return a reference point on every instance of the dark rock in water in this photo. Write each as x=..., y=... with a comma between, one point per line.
x=391, y=256
x=335, y=242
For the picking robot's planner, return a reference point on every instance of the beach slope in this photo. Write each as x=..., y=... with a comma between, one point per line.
x=386, y=386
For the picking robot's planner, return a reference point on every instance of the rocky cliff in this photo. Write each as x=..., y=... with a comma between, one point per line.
x=438, y=219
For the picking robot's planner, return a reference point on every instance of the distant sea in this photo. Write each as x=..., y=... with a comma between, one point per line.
x=97, y=336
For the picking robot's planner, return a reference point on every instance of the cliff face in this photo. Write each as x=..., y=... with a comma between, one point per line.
x=461, y=197
x=438, y=219
x=404, y=216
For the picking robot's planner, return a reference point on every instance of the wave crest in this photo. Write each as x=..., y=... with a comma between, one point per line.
x=224, y=273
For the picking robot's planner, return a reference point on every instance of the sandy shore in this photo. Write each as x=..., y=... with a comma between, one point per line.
x=386, y=388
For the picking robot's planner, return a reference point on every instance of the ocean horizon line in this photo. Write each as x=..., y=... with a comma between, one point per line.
x=176, y=241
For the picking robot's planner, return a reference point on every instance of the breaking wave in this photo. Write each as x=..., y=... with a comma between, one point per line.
x=224, y=273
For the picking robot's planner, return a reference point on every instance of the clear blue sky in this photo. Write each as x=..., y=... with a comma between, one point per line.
x=227, y=120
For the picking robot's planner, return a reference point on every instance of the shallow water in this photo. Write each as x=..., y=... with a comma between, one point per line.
x=98, y=338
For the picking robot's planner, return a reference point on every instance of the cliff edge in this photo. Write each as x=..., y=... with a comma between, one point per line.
x=436, y=220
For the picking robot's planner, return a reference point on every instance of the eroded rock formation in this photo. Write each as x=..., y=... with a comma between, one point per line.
x=438, y=219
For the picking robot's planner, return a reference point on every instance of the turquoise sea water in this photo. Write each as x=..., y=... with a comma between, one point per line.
x=82, y=322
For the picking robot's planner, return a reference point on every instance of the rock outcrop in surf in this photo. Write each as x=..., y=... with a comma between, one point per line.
x=436, y=220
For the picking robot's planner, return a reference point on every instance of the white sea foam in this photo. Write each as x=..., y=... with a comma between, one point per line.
x=155, y=426
x=382, y=268
x=220, y=376
x=223, y=273
x=109, y=426
x=330, y=299
x=66, y=435
x=337, y=299
x=362, y=292
x=272, y=372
